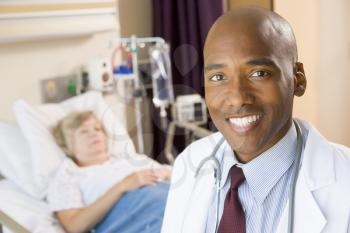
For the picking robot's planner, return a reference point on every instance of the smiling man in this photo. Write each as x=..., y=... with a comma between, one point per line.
x=241, y=179
x=251, y=70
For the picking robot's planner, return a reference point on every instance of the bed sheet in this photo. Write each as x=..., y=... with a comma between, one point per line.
x=141, y=210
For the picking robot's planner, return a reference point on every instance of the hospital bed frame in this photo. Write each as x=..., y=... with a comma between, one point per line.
x=197, y=131
x=11, y=224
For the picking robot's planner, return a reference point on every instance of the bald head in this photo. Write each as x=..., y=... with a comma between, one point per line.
x=264, y=26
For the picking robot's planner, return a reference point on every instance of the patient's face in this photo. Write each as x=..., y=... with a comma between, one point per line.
x=89, y=143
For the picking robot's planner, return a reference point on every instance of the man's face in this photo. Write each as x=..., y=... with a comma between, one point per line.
x=248, y=89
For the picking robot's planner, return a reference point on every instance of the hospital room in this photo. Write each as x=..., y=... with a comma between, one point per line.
x=174, y=116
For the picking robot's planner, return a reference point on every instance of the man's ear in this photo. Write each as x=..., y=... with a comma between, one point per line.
x=299, y=79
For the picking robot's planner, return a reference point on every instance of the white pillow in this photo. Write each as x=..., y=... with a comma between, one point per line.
x=36, y=124
x=32, y=214
x=15, y=158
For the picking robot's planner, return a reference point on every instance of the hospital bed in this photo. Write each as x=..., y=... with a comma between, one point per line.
x=21, y=212
x=26, y=170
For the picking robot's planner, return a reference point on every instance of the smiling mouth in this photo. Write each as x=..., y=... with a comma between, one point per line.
x=245, y=123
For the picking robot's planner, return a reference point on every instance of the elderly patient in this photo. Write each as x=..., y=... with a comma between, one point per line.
x=95, y=191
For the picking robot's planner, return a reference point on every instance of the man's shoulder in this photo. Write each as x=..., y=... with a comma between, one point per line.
x=338, y=153
x=341, y=155
x=341, y=150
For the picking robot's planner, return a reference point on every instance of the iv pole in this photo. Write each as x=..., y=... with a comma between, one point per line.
x=133, y=41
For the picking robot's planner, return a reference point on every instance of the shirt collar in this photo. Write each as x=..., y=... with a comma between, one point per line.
x=263, y=172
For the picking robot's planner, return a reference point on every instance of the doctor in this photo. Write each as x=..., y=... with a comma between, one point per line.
x=251, y=77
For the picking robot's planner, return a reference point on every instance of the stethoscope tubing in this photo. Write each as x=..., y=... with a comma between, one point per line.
x=296, y=170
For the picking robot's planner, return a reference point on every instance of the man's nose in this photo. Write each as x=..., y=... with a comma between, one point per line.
x=239, y=93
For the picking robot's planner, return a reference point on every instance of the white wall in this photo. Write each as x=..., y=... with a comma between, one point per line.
x=322, y=33
x=24, y=64
x=304, y=19
x=334, y=70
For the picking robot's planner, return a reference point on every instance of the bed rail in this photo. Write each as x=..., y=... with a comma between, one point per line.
x=197, y=131
x=11, y=224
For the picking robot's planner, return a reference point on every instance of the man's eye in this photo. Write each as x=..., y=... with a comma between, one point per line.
x=217, y=77
x=260, y=74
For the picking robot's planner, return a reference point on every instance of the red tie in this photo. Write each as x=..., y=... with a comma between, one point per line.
x=233, y=219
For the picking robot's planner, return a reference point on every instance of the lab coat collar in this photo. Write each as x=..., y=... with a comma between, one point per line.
x=318, y=156
x=308, y=218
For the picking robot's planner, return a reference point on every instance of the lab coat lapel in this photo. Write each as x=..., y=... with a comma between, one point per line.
x=317, y=171
x=203, y=191
x=308, y=217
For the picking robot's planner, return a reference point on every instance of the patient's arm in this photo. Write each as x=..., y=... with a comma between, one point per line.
x=163, y=172
x=84, y=219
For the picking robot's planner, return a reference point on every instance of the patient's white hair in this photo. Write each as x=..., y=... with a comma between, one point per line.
x=64, y=129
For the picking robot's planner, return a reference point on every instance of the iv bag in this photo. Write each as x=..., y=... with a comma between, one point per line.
x=162, y=84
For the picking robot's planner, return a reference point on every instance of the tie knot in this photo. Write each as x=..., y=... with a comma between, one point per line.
x=237, y=177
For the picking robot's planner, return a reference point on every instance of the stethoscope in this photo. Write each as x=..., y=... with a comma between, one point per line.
x=217, y=175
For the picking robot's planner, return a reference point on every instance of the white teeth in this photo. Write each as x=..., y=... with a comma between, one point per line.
x=244, y=121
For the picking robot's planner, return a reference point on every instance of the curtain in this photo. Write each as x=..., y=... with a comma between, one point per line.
x=184, y=24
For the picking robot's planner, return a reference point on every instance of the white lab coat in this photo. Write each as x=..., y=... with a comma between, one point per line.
x=322, y=202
